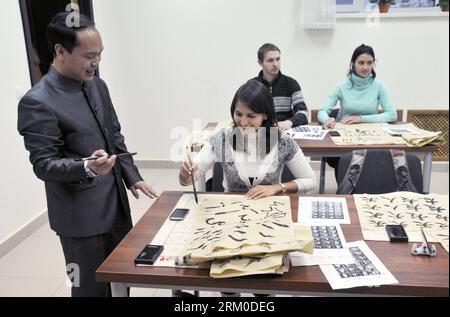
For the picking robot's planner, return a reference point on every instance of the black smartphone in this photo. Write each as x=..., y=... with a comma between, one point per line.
x=334, y=133
x=396, y=233
x=149, y=254
x=178, y=214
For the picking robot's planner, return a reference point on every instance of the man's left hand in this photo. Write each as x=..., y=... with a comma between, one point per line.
x=285, y=125
x=352, y=120
x=143, y=187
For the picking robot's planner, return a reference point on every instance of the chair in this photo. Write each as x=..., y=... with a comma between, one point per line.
x=217, y=178
x=377, y=175
x=286, y=175
x=399, y=115
x=214, y=184
x=314, y=112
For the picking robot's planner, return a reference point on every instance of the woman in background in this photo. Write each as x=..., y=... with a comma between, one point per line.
x=360, y=95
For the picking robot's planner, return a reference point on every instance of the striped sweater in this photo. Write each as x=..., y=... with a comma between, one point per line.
x=288, y=99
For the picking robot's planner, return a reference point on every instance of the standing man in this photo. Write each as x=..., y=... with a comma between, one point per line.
x=287, y=95
x=69, y=115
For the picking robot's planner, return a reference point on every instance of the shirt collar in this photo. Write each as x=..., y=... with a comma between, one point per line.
x=360, y=81
x=64, y=82
x=261, y=76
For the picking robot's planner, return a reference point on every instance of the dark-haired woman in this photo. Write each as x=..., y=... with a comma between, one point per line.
x=253, y=151
x=360, y=94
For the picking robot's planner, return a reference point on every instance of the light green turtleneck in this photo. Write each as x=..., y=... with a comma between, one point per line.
x=362, y=98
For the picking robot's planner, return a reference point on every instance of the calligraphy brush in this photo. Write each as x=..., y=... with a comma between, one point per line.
x=192, y=176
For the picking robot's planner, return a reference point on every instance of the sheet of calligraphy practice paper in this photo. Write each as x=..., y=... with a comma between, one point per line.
x=244, y=265
x=411, y=210
x=323, y=210
x=414, y=136
x=228, y=225
x=364, y=133
x=426, y=138
x=173, y=234
x=330, y=247
x=305, y=129
x=401, y=129
x=366, y=269
x=307, y=132
x=263, y=263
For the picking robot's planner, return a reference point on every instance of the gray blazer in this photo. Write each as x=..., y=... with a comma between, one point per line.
x=60, y=120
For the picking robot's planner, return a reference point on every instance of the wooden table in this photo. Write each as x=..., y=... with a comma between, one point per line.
x=417, y=275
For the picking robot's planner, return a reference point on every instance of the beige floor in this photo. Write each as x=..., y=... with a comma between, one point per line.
x=36, y=267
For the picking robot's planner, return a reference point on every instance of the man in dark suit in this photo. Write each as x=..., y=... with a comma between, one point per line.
x=69, y=115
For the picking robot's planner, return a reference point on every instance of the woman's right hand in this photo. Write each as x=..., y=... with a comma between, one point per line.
x=331, y=122
x=186, y=170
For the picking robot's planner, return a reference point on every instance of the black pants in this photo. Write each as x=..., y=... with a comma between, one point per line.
x=87, y=254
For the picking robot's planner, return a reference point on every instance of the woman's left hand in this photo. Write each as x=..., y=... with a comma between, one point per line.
x=352, y=120
x=262, y=191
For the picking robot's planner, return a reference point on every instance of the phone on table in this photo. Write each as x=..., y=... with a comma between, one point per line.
x=178, y=214
x=334, y=133
x=396, y=233
x=149, y=254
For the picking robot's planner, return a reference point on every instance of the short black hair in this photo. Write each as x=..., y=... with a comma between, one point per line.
x=59, y=30
x=266, y=48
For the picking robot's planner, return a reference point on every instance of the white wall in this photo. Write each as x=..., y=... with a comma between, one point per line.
x=170, y=61
x=22, y=195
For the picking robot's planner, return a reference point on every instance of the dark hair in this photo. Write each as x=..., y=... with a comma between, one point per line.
x=266, y=48
x=362, y=49
x=59, y=32
x=258, y=98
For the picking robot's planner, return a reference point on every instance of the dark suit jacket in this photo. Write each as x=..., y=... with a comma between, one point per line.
x=60, y=120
